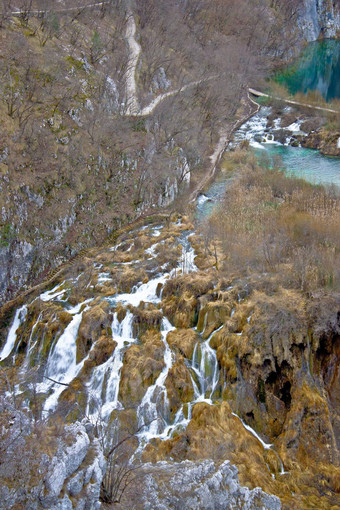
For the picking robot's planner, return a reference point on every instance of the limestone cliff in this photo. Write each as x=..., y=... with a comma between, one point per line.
x=319, y=18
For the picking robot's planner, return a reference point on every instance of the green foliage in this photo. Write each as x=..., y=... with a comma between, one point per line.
x=139, y=125
x=76, y=63
x=6, y=234
x=96, y=50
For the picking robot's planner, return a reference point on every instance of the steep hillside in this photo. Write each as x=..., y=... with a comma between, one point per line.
x=109, y=110
x=194, y=353
x=319, y=18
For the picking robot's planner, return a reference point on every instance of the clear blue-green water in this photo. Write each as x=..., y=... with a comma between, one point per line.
x=308, y=164
x=318, y=68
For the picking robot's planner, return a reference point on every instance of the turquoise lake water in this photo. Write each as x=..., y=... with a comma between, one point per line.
x=318, y=68
x=308, y=164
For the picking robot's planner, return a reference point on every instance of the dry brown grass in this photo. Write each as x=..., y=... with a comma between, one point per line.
x=269, y=222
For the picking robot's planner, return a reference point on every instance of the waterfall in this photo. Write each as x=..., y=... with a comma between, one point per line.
x=20, y=316
x=145, y=292
x=49, y=295
x=105, y=380
x=153, y=411
x=187, y=264
x=266, y=446
x=61, y=364
x=29, y=347
x=205, y=367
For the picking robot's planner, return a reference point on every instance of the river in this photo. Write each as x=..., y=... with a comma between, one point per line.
x=316, y=69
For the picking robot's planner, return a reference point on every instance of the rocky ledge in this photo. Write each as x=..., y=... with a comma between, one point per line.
x=201, y=486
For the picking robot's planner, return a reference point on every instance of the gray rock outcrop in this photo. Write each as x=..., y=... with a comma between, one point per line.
x=201, y=486
x=68, y=479
x=319, y=18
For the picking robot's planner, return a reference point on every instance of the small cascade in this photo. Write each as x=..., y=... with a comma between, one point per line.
x=282, y=469
x=205, y=322
x=205, y=367
x=187, y=264
x=53, y=293
x=194, y=367
x=153, y=411
x=20, y=316
x=61, y=364
x=253, y=130
x=30, y=347
x=266, y=446
x=145, y=292
x=104, y=384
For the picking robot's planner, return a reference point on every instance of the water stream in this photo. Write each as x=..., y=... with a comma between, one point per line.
x=153, y=413
x=301, y=162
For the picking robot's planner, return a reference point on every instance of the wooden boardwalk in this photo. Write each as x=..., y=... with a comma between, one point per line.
x=257, y=93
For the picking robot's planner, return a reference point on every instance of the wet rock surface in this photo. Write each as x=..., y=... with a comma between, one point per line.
x=189, y=367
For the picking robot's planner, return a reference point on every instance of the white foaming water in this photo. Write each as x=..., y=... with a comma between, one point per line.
x=104, y=277
x=253, y=128
x=30, y=347
x=153, y=411
x=105, y=381
x=266, y=446
x=202, y=199
x=61, y=364
x=156, y=231
x=152, y=249
x=295, y=127
x=205, y=380
x=76, y=308
x=19, y=317
x=187, y=263
x=53, y=293
x=205, y=367
x=145, y=292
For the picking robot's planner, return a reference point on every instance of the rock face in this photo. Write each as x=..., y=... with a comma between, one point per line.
x=201, y=486
x=200, y=372
x=326, y=142
x=72, y=468
x=319, y=18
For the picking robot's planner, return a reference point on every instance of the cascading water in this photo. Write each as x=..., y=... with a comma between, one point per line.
x=266, y=446
x=30, y=347
x=306, y=163
x=153, y=411
x=204, y=365
x=19, y=317
x=105, y=380
x=62, y=364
